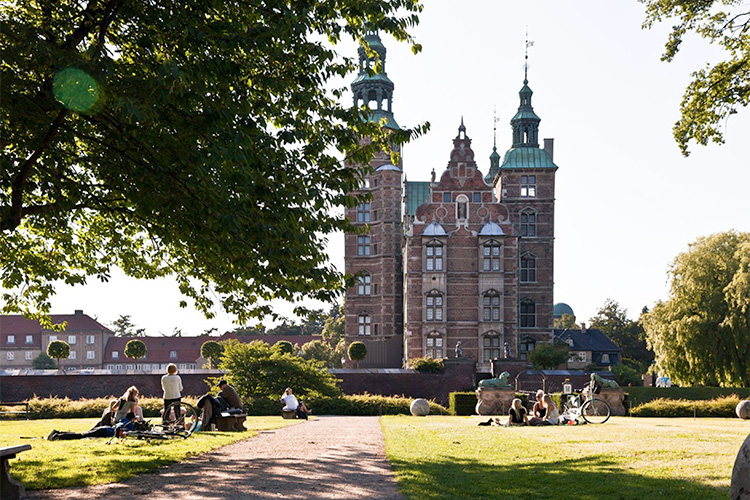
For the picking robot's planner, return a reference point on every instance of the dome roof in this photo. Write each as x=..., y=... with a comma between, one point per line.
x=434, y=229
x=387, y=166
x=562, y=308
x=491, y=229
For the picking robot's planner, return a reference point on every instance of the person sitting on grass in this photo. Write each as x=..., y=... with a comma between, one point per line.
x=517, y=414
x=538, y=410
x=552, y=414
x=126, y=424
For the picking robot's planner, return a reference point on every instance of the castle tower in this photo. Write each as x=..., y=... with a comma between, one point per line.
x=525, y=184
x=374, y=308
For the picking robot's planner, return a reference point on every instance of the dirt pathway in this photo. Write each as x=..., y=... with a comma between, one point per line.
x=324, y=458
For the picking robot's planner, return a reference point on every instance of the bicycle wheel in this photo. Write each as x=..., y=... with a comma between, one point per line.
x=180, y=420
x=595, y=411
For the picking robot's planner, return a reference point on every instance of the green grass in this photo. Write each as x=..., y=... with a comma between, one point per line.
x=626, y=458
x=59, y=464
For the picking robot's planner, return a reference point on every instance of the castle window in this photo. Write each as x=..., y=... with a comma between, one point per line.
x=363, y=245
x=528, y=223
x=491, y=254
x=491, y=306
x=447, y=198
x=462, y=207
x=434, y=257
x=528, y=268
x=364, y=324
x=434, y=346
x=528, y=313
x=363, y=212
x=526, y=346
x=528, y=186
x=490, y=347
x=434, y=309
x=364, y=284
x=477, y=197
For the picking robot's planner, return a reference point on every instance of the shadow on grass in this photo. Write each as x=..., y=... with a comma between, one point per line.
x=590, y=478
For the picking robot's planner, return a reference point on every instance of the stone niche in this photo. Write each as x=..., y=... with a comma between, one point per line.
x=494, y=400
x=615, y=398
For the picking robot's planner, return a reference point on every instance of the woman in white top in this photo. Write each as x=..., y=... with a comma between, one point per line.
x=171, y=384
x=552, y=414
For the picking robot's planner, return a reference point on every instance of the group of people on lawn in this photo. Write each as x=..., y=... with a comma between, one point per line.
x=544, y=412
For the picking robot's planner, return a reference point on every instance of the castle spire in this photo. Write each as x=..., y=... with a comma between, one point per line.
x=526, y=123
x=374, y=90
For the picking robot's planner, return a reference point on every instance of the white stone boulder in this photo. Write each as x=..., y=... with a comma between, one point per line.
x=420, y=407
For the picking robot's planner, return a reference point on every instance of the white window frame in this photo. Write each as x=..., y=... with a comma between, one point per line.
x=173, y=355
x=364, y=325
x=11, y=339
x=528, y=186
x=115, y=354
x=72, y=355
x=29, y=339
x=28, y=355
x=364, y=284
x=605, y=358
x=90, y=354
x=10, y=356
x=71, y=339
x=90, y=339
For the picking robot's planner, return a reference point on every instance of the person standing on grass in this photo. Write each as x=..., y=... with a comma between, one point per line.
x=171, y=384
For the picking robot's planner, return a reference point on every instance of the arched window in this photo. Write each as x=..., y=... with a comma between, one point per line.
x=491, y=347
x=434, y=257
x=528, y=268
x=364, y=284
x=364, y=323
x=528, y=223
x=491, y=306
x=462, y=207
x=363, y=212
x=434, y=346
x=528, y=313
x=434, y=306
x=491, y=255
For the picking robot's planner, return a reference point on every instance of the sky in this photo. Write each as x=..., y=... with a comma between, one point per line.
x=627, y=201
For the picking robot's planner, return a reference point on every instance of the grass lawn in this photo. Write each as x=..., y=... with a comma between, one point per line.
x=59, y=464
x=626, y=458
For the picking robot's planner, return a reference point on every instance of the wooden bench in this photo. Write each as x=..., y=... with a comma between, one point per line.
x=231, y=423
x=9, y=487
x=26, y=411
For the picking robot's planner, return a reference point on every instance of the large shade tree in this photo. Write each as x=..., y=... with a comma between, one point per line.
x=197, y=139
x=719, y=89
x=626, y=333
x=701, y=334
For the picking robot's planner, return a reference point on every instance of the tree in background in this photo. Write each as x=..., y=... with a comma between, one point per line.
x=212, y=351
x=627, y=334
x=716, y=91
x=565, y=321
x=284, y=347
x=135, y=349
x=257, y=370
x=317, y=350
x=548, y=356
x=203, y=143
x=333, y=334
x=701, y=334
x=43, y=362
x=124, y=327
x=357, y=352
x=58, y=349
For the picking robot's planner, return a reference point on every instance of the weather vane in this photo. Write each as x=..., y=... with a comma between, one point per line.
x=494, y=127
x=526, y=58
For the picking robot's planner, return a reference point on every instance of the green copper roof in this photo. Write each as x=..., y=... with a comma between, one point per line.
x=416, y=194
x=390, y=122
x=377, y=77
x=525, y=114
x=526, y=157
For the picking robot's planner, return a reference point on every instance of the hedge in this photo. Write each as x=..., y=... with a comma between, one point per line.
x=462, y=403
x=663, y=407
x=87, y=408
x=640, y=395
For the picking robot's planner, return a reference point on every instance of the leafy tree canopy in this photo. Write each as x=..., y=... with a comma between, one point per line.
x=284, y=347
x=58, y=349
x=548, y=356
x=135, y=349
x=357, y=351
x=627, y=334
x=124, y=327
x=565, y=321
x=257, y=369
x=212, y=351
x=701, y=334
x=719, y=89
x=192, y=139
x=43, y=362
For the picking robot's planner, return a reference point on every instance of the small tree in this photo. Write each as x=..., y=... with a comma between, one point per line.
x=317, y=350
x=357, y=352
x=58, y=349
x=135, y=349
x=212, y=351
x=548, y=356
x=43, y=362
x=284, y=347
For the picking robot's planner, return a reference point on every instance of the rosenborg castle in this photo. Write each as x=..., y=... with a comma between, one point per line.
x=464, y=257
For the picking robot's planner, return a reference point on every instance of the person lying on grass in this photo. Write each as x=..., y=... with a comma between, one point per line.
x=105, y=431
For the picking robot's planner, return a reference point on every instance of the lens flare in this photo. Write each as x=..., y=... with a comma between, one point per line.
x=75, y=89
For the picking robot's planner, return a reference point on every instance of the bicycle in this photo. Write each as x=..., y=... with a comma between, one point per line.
x=593, y=410
x=172, y=426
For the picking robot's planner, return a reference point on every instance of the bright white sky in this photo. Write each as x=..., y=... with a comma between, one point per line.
x=627, y=201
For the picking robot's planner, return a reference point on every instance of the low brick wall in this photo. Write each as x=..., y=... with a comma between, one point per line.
x=86, y=385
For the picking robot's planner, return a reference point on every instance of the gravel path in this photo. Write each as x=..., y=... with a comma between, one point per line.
x=323, y=458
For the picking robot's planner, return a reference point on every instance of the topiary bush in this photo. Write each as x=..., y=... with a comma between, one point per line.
x=462, y=403
x=426, y=365
x=719, y=407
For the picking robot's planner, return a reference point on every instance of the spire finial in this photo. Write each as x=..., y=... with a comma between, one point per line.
x=526, y=58
x=494, y=128
x=462, y=128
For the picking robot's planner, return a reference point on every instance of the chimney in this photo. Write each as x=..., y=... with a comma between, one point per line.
x=79, y=312
x=549, y=147
x=583, y=327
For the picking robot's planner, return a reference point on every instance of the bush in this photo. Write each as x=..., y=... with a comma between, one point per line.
x=462, y=403
x=426, y=365
x=88, y=408
x=625, y=375
x=357, y=405
x=640, y=395
x=662, y=407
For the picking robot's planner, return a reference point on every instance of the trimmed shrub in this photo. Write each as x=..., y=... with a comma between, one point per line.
x=426, y=365
x=462, y=403
x=662, y=407
x=88, y=408
x=640, y=395
x=357, y=405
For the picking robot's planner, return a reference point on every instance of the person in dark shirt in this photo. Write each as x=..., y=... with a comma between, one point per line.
x=517, y=414
x=126, y=424
x=229, y=395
